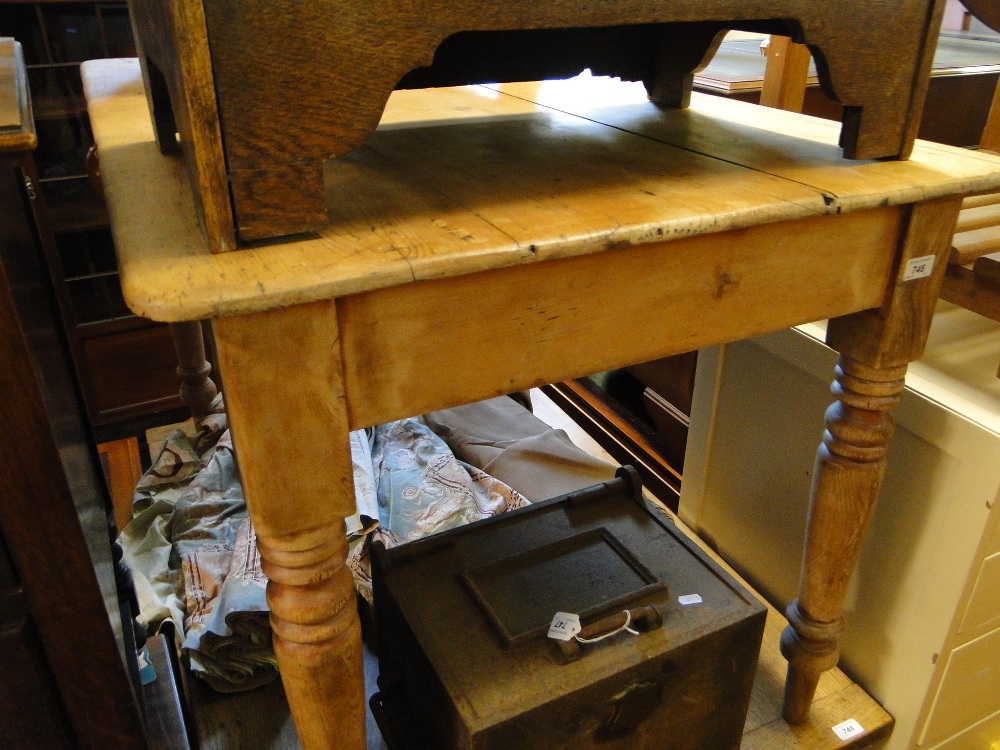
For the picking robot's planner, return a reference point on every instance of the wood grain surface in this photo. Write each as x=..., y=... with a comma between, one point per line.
x=488, y=179
x=282, y=114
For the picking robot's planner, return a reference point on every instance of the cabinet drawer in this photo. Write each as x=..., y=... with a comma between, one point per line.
x=984, y=606
x=983, y=736
x=970, y=689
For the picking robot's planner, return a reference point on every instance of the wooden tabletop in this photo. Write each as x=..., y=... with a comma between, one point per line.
x=484, y=177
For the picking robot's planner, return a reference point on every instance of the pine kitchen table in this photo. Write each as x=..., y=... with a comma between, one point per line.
x=487, y=239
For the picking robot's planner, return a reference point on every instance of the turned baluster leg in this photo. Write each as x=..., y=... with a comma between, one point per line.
x=875, y=347
x=849, y=467
x=197, y=389
x=286, y=407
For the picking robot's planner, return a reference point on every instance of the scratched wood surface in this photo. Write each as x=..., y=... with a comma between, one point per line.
x=484, y=179
x=283, y=112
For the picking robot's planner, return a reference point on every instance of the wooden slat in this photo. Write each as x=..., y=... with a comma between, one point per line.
x=978, y=218
x=968, y=246
x=123, y=473
x=785, y=75
x=975, y=201
x=990, y=138
x=962, y=288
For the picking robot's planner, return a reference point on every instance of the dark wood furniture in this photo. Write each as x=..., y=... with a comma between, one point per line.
x=125, y=364
x=69, y=676
x=257, y=123
x=639, y=415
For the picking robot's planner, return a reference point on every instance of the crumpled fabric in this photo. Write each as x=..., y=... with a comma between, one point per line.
x=148, y=540
x=227, y=633
x=193, y=553
x=422, y=488
x=193, y=556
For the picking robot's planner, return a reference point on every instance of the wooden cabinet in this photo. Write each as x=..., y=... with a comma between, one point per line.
x=125, y=364
x=70, y=675
x=923, y=612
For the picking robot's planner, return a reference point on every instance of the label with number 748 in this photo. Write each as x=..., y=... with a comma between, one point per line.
x=848, y=729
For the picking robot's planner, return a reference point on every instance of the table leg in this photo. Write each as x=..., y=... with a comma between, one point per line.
x=197, y=389
x=849, y=467
x=285, y=401
x=875, y=347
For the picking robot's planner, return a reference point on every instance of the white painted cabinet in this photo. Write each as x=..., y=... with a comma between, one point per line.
x=923, y=610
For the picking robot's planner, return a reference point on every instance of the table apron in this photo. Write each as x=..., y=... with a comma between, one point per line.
x=434, y=344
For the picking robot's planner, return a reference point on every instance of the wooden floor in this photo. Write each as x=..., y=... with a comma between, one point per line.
x=259, y=719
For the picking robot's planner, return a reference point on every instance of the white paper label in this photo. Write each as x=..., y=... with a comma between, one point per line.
x=564, y=626
x=848, y=729
x=917, y=268
x=688, y=599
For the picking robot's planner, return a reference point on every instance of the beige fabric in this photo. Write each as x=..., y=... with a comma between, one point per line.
x=510, y=443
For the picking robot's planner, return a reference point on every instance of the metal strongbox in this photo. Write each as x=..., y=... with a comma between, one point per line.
x=478, y=643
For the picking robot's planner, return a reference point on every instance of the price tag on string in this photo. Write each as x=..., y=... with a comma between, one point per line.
x=564, y=626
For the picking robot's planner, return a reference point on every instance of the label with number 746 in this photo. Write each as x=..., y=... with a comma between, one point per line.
x=917, y=268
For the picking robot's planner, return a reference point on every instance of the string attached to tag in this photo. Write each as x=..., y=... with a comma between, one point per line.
x=566, y=627
x=616, y=631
